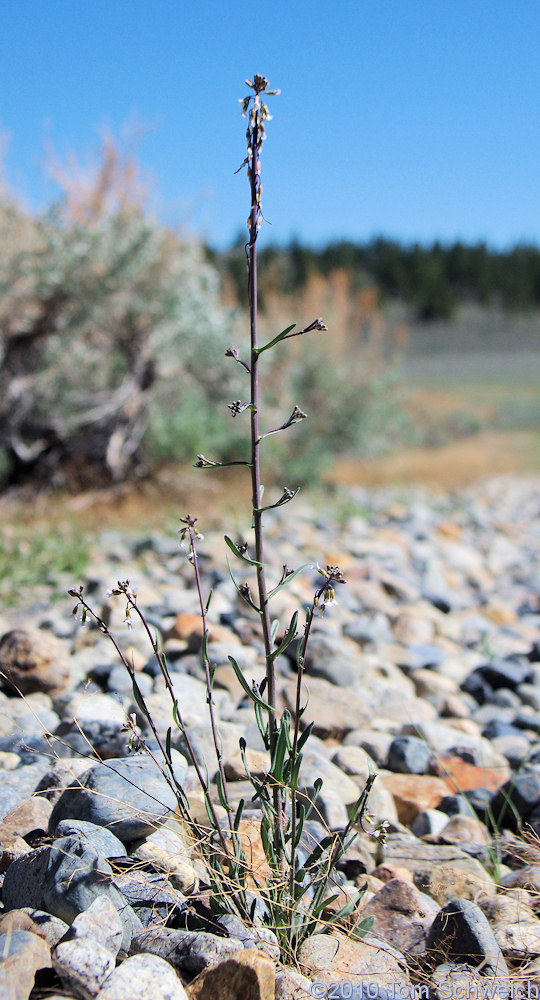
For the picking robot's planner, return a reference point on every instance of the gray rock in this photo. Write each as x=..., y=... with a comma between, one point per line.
x=83, y=965
x=336, y=957
x=103, y=737
x=515, y=926
x=251, y=937
x=505, y=673
x=188, y=951
x=461, y=932
x=127, y=795
x=291, y=985
x=455, y=979
x=151, y=896
x=8, y=799
x=443, y=739
x=368, y=628
x=375, y=744
x=425, y=655
x=524, y=878
x=530, y=695
x=98, y=837
x=527, y=719
x=25, y=780
x=64, y=879
x=517, y=798
x=516, y=749
x=430, y=822
x=330, y=658
x=155, y=980
x=101, y=922
x=316, y=765
x=409, y=755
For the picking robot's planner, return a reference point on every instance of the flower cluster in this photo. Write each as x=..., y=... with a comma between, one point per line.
x=326, y=595
x=124, y=589
x=189, y=534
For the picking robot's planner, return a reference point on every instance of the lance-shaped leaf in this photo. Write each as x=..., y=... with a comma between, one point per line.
x=240, y=555
x=302, y=740
x=362, y=928
x=288, y=637
x=239, y=811
x=249, y=691
x=350, y=906
x=294, y=777
x=276, y=766
x=139, y=699
x=276, y=340
x=176, y=716
x=241, y=592
x=222, y=792
x=262, y=725
x=317, y=908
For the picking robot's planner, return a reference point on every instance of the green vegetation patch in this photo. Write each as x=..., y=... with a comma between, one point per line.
x=37, y=556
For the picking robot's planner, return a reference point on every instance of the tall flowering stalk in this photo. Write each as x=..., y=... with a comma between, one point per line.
x=295, y=896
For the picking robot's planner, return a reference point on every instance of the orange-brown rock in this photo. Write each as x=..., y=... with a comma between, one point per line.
x=461, y=776
x=413, y=793
x=257, y=760
x=188, y=626
x=33, y=660
x=249, y=974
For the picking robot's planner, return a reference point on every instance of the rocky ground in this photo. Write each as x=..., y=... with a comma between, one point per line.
x=427, y=671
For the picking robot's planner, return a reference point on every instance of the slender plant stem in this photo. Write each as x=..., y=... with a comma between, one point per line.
x=254, y=220
x=215, y=735
x=294, y=751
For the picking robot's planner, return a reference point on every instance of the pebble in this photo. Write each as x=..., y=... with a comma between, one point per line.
x=427, y=671
x=127, y=795
x=461, y=932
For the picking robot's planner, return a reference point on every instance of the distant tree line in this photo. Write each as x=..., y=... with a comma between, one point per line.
x=431, y=280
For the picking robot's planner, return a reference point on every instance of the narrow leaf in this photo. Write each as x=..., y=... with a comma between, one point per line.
x=222, y=793
x=240, y=591
x=140, y=700
x=204, y=651
x=294, y=778
x=362, y=928
x=276, y=767
x=288, y=637
x=240, y=555
x=302, y=740
x=276, y=340
x=318, y=909
x=239, y=812
x=299, y=827
x=244, y=684
x=176, y=716
x=349, y=907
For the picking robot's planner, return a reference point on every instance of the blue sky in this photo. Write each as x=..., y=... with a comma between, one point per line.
x=415, y=120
